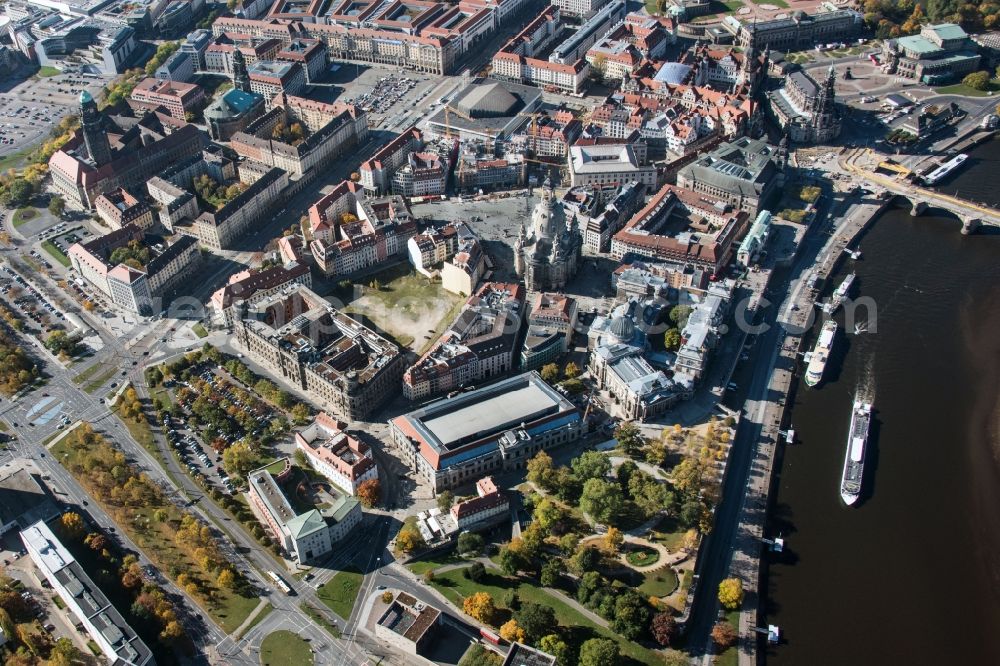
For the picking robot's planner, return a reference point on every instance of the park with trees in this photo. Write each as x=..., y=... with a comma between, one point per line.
x=612, y=532
x=180, y=545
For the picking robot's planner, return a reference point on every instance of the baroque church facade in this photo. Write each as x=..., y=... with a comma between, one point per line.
x=548, y=254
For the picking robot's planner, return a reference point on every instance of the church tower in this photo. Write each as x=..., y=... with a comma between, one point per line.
x=241, y=79
x=94, y=136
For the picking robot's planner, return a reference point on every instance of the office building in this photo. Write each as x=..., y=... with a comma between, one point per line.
x=253, y=286
x=305, y=517
x=681, y=227
x=177, y=97
x=551, y=324
x=113, y=264
x=118, y=208
x=496, y=428
x=745, y=173
x=104, y=624
x=346, y=461
x=302, y=339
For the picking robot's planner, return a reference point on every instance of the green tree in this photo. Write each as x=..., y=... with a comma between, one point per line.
x=590, y=583
x=602, y=500
x=536, y=621
x=470, y=543
x=631, y=615
x=445, y=500
x=573, y=386
x=57, y=205
x=238, y=459
x=550, y=372
x=540, y=470
x=551, y=571
x=591, y=465
x=977, y=80
x=19, y=192
x=548, y=514
x=301, y=413
x=557, y=647
x=585, y=559
x=572, y=370
x=630, y=438
x=599, y=652
x=511, y=560
x=672, y=339
x=679, y=315
x=475, y=572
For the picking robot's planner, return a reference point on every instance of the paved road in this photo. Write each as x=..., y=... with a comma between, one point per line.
x=818, y=248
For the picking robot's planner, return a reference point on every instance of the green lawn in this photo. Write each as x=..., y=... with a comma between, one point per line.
x=199, y=330
x=658, y=583
x=156, y=539
x=407, y=306
x=456, y=587
x=734, y=5
x=45, y=71
x=96, y=383
x=14, y=160
x=670, y=534
x=341, y=592
x=960, y=89
x=731, y=657
x=56, y=253
x=642, y=556
x=776, y=3
x=264, y=612
x=22, y=215
x=422, y=566
x=283, y=648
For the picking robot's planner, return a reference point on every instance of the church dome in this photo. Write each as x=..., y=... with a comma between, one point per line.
x=622, y=328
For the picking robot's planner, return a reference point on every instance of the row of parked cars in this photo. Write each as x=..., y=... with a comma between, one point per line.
x=189, y=449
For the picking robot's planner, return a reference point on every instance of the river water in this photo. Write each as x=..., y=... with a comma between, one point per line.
x=911, y=574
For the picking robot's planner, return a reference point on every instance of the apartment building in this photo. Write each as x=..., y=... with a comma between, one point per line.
x=478, y=345
x=376, y=173
x=351, y=231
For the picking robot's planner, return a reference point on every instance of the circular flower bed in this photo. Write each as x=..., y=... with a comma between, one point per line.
x=641, y=556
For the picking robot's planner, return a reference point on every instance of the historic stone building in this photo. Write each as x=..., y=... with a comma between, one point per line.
x=806, y=109
x=548, y=256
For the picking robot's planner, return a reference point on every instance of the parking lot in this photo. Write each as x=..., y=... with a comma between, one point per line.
x=30, y=110
x=216, y=414
x=384, y=93
x=28, y=305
